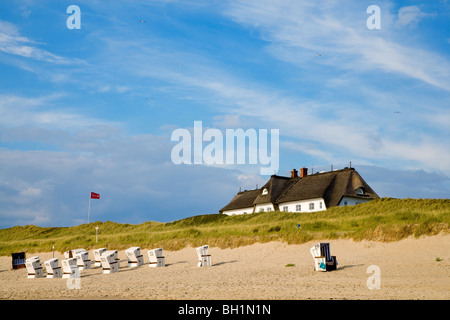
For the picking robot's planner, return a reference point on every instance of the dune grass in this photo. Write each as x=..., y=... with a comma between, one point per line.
x=385, y=219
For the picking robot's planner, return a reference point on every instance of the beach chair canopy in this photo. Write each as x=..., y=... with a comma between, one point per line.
x=322, y=249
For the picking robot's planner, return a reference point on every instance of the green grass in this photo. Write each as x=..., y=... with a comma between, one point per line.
x=385, y=219
x=290, y=265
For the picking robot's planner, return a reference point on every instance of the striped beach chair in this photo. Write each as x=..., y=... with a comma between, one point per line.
x=18, y=260
x=323, y=260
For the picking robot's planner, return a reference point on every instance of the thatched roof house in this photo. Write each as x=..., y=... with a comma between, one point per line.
x=304, y=193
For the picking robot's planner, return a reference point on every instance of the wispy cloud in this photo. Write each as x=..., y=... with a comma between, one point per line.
x=12, y=42
x=298, y=31
x=411, y=15
x=310, y=37
x=45, y=112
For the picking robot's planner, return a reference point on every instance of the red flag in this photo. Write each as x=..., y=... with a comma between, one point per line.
x=95, y=195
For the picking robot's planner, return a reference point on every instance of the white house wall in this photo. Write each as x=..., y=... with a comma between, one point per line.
x=349, y=201
x=239, y=211
x=266, y=206
x=319, y=205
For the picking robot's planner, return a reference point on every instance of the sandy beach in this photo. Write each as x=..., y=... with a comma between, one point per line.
x=269, y=271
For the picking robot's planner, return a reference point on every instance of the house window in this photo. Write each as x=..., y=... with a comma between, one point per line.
x=311, y=206
x=269, y=209
x=320, y=204
x=298, y=207
x=261, y=210
x=345, y=203
x=264, y=192
x=285, y=208
x=360, y=191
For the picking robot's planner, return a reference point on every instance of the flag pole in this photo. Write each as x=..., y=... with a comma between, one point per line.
x=89, y=210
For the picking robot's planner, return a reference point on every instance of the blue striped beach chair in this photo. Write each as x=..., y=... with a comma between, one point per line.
x=323, y=259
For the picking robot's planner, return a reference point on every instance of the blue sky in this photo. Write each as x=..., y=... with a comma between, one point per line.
x=93, y=109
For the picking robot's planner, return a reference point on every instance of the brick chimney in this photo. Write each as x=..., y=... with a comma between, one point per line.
x=294, y=173
x=303, y=172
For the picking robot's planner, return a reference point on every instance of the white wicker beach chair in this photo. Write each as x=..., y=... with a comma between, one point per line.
x=109, y=261
x=204, y=259
x=70, y=268
x=34, y=268
x=71, y=253
x=53, y=269
x=97, y=255
x=156, y=259
x=134, y=256
x=83, y=261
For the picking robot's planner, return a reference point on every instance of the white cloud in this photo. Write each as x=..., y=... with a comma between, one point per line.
x=298, y=31
x=405, y=183
x=133, y=174
x=11, y=42
x=411, y=15
x=250, y=181
x=347, y=133
x=44, y=112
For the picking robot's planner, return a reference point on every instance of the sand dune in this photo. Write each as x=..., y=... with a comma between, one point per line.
x=408, y=270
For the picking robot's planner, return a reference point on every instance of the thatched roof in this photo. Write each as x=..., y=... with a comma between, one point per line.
x=275, y=187
x=242, y=200
x=330, y=186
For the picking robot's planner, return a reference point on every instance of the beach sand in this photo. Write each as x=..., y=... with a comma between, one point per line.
x=408, y=270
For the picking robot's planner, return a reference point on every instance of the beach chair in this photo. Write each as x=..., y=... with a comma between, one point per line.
x=109, y=261
x=156, y=259
x=71, y=253
x=83, y=261
x=18, y=260
x=134, y=256
x=53, y=269
x=34, y=268
x=70, y=268
x=204, y=259
x=323, y=260
x=97, y=255
x=116, y=258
